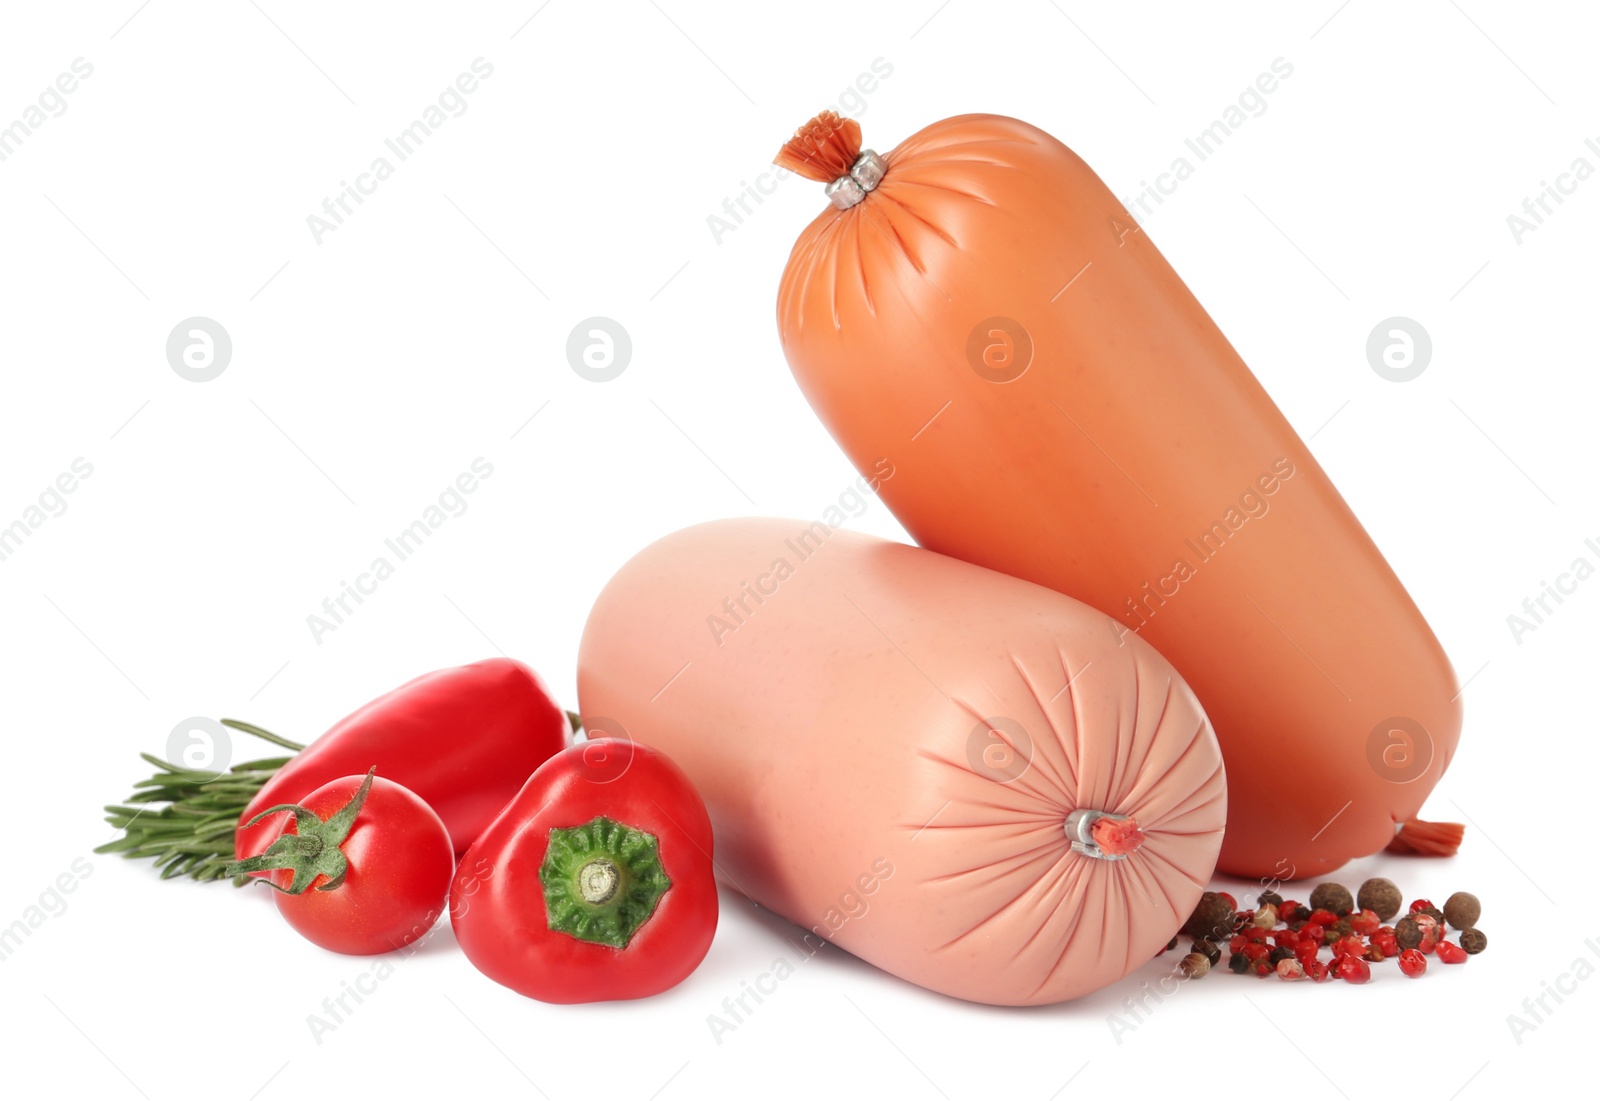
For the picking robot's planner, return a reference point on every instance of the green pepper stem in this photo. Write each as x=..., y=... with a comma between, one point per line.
x=602, y=881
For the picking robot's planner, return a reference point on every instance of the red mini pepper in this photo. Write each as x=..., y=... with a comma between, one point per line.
x=463, y=739
x=595, y=883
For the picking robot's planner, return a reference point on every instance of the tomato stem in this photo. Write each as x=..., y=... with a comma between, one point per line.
x=312, y=850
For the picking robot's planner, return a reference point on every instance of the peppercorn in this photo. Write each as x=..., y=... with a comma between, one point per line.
x=1279, y=954
x=1209, y=950
x=1412, y=963
x=1432, y=932
x=1320, y=916
x=1380, y=896
x=1291, y=970
x=1316, y=970
x=1333, y=897
x=1374, y=954
x=1365, y=922
x=1269, y=898
x=1353, y=969
x=1266, y=917
x=1473, y=941
x=1462, y=910
x=1194, y=966
x=1407, y=933
x=1350, y=945
x=1238, y=964
x=1212, y=917
x=1434, y=912
x=1341, y=928
x=1419, y=904
x=1450, y=952
x=1290, y=911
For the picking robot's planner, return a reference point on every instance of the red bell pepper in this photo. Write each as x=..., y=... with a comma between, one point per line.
x=596, y=881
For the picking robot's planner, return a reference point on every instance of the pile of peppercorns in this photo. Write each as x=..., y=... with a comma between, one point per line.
x=1284, y=937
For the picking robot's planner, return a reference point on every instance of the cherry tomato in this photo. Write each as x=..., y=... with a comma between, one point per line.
x=361, y=866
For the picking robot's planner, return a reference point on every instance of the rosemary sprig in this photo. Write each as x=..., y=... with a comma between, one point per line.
x=192, y=833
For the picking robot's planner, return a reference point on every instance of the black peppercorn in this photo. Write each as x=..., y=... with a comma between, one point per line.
x=1279, y=954
x=1334, y=898
x=1473, y=941
x=1209, y=950
x=1380, y=896
x=1212, y=917
x=1462, y=910
x=1238, y=964
x=1407, y=933
x=1270, y=898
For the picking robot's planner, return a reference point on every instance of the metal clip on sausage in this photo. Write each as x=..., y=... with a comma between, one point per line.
x=864, y=175
x=1080, y=829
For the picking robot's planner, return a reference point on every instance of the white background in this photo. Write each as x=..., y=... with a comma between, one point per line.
x=369, y=370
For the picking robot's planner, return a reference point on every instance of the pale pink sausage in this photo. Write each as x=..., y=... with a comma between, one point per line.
x=890, y=750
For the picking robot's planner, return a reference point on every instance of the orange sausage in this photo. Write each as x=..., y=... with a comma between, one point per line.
x=1058, y=406
x=893, y=744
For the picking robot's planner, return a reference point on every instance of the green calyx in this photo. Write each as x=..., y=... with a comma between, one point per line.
x=313, y=850
x=602, y=881
x=192, y=834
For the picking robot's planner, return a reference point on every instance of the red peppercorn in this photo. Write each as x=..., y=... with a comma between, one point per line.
x=1385, y=943
x=1354, y=969
x=1323, y=917
x=1431, y=932
x=1314, y=933
x=1351, y=945
x=1294, y=969
x=1256, y=951
x=1422, y=904
x=1255, y=933
x=1304, y=951
x=1286, y=938
x=1364, y=922
x=1291, y=911
x=1451, y=952
x=1261, y=969
x=1237, y=942
x=1315, y=969
x=1412, y=963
